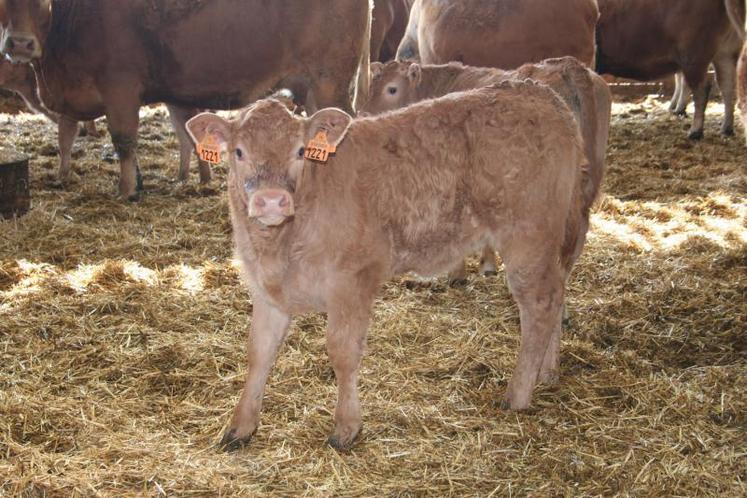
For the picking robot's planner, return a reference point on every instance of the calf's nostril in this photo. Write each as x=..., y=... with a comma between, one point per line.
x=30, y=45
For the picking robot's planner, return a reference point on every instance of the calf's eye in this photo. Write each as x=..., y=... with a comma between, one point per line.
x=301, y=151
x=392, y=90
x=239, y=154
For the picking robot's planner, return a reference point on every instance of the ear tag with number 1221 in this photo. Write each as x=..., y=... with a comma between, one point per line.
x=319, y=148
x=208, y=150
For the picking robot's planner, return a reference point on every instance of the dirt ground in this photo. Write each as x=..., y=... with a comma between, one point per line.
x=122, y=344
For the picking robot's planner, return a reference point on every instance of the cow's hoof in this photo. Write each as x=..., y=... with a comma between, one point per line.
x=230, y=442
x=728, y=132
x=343, y=443
x=489, y=273
x=457, y=282
x=695, y=135
x=136, y=197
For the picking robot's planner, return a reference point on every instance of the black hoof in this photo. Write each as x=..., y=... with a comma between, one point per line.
x=695, y=135
x=458, y=282
x=728, y=132
x=230, y=442
x=338, y=445
x=136, y=197
x=489, y=273
x=505, y=405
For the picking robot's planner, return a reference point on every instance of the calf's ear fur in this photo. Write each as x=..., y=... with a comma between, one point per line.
x=207, y=123
x=333, y=121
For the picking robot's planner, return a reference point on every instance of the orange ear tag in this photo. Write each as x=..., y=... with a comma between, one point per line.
x=208, y=150
x=319, y=148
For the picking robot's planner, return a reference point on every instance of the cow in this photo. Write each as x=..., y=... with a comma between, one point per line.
x=652, y=39
x=388, y=27
x=109, y=57
x=725, y=63
x=499, y=33
x=398, y=84
x=410, y=190
x=737, y=10
x=20, y=79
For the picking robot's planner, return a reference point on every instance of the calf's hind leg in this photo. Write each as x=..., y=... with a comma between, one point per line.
x=537, y=286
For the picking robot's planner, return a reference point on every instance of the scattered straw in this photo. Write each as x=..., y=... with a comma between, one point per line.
x=122, y=345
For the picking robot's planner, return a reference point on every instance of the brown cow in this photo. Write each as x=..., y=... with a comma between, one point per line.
x=388, y=27
x=398, y=84
x=651, y=39
x=737, y=10
x=411, y=190
x=499, y=33
x=725, y=63
x=109, y=57
x=20, y=79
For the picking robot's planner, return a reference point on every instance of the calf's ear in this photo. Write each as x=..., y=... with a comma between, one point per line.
x=414, y=73
x=207, y=123
x=334, y=122
x=376, y=68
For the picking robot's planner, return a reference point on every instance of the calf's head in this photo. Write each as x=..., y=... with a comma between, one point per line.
x=265, y=145
x=25, y=24
x=393, y=85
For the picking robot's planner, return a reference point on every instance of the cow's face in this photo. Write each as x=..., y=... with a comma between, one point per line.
x=393, y=85
x=25, y=25
x=265, y=146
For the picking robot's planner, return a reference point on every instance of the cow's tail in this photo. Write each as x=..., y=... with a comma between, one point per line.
x=735, y=9
x=363, y=80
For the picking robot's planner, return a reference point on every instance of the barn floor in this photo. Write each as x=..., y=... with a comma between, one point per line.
x=122, y=344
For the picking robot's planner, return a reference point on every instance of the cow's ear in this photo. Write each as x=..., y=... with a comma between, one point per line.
x=414, y=73
x=207, y=123
x=334, y=122
x=376, y=69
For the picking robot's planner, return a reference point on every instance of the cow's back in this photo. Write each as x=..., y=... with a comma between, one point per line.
x=506, y=33
x=219, y=54
x=464, y=160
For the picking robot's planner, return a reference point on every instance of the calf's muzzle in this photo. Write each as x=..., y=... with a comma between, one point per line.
x=271, y=206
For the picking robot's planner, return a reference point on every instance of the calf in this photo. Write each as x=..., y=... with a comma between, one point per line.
x=398, y=84
x=410, y=190
x=109, y=57
x=499, y=33
x=737, y=10
x=651, y=39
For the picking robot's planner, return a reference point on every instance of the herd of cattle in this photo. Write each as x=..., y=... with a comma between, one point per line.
x=488, y=132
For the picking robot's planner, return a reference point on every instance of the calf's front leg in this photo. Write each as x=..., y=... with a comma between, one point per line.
x=268, y=331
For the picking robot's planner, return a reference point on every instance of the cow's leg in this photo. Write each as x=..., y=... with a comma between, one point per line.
x=458, y=275
x=90, y=128
x=179, y=117
x=346, y=337
x=701, y=87
x=678, y=79
x=538, y=290
x=325, y=91
x=487, y=261
x=67, y=132
x=742, y=77
x=122, y=106
x=682, y=93
x=726, y=76
x=268, y=331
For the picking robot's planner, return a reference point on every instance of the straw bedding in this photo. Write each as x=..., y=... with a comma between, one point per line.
x=122, y=344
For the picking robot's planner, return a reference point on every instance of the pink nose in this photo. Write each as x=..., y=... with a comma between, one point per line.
x=271, y=203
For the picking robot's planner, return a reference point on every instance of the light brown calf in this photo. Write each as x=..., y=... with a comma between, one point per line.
x=499, y=33
x=398, y=84
x=412, y=190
